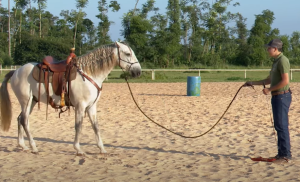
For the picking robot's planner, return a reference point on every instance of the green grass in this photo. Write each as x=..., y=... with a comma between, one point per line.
x=2, y=75
x=206, y=76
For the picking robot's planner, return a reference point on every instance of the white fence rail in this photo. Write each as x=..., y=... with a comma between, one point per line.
x=199, y=71
x=180, y=70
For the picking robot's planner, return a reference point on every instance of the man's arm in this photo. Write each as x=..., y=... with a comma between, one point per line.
x=266, y=81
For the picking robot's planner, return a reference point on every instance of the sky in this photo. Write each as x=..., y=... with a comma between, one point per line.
x=286, y=12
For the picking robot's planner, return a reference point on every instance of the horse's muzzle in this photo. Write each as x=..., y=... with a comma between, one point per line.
x=135, y=72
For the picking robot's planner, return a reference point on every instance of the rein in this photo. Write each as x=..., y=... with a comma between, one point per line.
x=176, y=133
x=120, y=59
x=197, y=136
x=83, y=75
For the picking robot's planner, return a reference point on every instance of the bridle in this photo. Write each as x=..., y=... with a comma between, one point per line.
x=120, y=59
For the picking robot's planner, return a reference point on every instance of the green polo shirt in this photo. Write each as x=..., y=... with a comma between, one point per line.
x=280, y=65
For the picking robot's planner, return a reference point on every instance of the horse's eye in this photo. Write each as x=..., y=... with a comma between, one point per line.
x=128, y=54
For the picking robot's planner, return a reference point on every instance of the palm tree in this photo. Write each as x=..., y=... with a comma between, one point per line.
x=80, y=4
x=20, y=5
x=42, y=5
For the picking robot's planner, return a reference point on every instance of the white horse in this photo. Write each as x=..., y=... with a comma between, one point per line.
x=97, y=64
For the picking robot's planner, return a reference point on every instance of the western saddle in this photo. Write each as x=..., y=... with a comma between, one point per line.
x=59, y=74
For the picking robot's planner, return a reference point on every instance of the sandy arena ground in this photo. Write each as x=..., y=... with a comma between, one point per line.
x=138, y=150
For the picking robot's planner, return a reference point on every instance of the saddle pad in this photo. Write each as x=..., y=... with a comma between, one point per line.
x=36, y=72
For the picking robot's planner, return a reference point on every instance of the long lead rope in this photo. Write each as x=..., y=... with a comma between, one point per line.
x=197, y=136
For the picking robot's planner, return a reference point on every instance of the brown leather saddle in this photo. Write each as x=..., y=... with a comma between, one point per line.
x=59, y=74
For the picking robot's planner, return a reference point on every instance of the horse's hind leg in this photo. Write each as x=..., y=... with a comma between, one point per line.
x=21, y=142
x=26, y=110
x=92, y=112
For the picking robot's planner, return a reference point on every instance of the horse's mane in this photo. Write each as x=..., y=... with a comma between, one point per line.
x=97, y=60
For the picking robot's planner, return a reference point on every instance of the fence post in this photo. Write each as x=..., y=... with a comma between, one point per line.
x=245, y=74
x=1, y=69
x=291, y=74
x=153, y=74
x=199, y=73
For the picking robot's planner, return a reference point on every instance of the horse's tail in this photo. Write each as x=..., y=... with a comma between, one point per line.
x=5, y=104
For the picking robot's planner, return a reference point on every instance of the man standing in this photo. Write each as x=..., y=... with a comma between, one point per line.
x=281, y=96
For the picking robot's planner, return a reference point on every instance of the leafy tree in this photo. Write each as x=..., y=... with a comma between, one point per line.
x=104, y=24
x=295, y=47
x=157, y=38
x=20, y=6
x=42, y=4
x=90, y=33
x=191, y=16
x=80, y=4
x=260, y=34
x=136, y=28
x=173, y=31
x=3, y=32
x=195, y=33
x=242, y=35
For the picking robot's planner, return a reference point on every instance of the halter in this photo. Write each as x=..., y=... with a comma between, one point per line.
x=120, y=59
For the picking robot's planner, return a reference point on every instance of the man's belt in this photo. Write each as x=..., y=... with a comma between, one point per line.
x=281, y=92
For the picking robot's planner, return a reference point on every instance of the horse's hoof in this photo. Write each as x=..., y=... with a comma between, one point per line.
x=103, y=152
x=25, y=149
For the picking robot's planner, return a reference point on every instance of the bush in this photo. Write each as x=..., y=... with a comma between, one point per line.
x=125, y=75
x=7, y=61
x=35, y=49
x=238, y=79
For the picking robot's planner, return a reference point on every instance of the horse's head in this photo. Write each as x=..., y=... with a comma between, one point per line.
x=127, y=60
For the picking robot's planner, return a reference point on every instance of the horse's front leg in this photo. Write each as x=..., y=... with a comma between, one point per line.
x=92, y=112
x=79, y=113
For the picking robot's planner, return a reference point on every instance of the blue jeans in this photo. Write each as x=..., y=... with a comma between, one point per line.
x=280, y=107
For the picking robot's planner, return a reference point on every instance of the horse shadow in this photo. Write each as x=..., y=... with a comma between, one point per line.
x=233, y=156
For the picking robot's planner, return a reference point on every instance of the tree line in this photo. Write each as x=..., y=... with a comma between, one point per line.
x=193, y=33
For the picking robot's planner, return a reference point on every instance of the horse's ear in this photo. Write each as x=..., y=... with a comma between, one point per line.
x=124, y=42
x=117, y=44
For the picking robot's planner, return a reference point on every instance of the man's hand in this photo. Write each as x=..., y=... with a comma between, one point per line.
x=266, y=91
x=248, y=84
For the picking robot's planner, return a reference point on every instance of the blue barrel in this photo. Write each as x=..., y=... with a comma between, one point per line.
x=193, y=85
